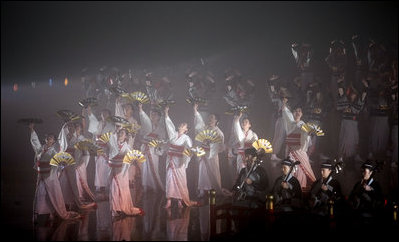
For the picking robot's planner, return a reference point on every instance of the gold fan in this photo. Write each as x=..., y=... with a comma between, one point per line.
x=164, y=103
x=133, y=155
x=119, y=91
x=68, y=115
x=140, y=97
x=91, y=101
x=62, y=159
x=156, y=143
x=263, y=144
x=198, y=100
x=105, y=137
x=198, y=151
x=237, y=109
x=131, y=128
x=208, y=135
x=87, y=145
x=312, y=128
x=118, y=119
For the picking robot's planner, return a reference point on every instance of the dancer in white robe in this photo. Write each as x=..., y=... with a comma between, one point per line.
x=176, y=163
x=209, y=171
x=75, y=187
x=48, y=195
x=297, y=146
x=151, y=128
x=125, y=110
x=98, y=128
x=120, y=197
x=245, y=137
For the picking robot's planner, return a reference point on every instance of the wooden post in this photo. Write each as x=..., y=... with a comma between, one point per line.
x=212, y=212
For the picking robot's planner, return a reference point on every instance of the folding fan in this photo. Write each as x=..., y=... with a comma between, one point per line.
x=263, y=144
x=208, y=135
x=62, y=159
x=140, y=97
x=132, y=156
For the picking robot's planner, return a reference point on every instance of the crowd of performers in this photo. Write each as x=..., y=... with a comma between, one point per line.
x=129, y=144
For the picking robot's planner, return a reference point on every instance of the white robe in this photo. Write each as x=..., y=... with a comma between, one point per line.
x=48, y=194
x=176, y=164
x=150, y=171
x=209, y=171
x=103, y=171
x=120, y=197
x=82, y=159
x=119, y=112
x=245, y=141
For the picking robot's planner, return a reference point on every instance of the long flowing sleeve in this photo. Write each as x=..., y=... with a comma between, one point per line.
x=62, y=138
x=290, y=124
x=93, y=125
x=198, y=122
x=170, y=128
x=145, y=123
x=238, y=133
x=189, y=144
x=113, y=146
x=34, y=140
x=118, y=108
x=295, y=54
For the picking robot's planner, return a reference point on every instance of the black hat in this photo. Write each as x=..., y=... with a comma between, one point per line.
x=250, y=151
x=369, y=165
x=288, y=162
x=327, y=164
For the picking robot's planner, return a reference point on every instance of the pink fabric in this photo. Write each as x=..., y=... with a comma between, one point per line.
x=120, y=197
x=103, y=172
x=304, y=170
x=81, y=178
x=54, y=193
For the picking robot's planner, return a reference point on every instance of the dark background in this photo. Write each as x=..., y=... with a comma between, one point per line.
x=42, y=40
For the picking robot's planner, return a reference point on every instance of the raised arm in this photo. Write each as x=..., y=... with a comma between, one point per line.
x=119, y=107
x=170, y=127
x=289, y=121
x=199, y=123
x=93, y=122
x=34, y=139
x=145, y=121
x=62, y=137
x=237, y=130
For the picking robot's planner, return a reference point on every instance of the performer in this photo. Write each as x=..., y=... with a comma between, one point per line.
x=125, y=110
x=366, y=196
x=209, y=173
x=176, y=163
x=120, y=198
x=256, y=183
x=73, y=179
x=277, y=93
x=98, y=128
x=48, y=195
x=350, y=105
x=297, y=145
x=325, y=189
x=315, y=112
x=286, y=189
x=151, y=128
x=379, y=123
x=303, y=57
x=336, y=61
x=245, y=137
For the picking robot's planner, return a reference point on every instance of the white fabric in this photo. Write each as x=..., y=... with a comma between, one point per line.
x=242, y=139
x=209, y=171
x=150, y=171
x=176, y=179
